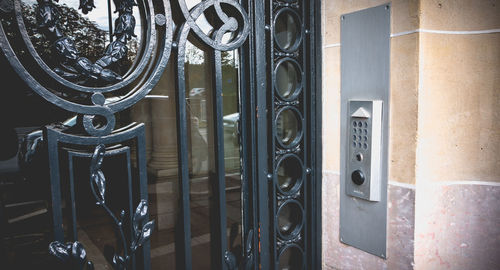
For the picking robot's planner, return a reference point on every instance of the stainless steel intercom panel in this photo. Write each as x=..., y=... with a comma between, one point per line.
x=364, y=159
x=365, y=50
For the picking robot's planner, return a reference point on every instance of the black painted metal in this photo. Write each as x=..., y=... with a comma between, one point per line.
x=75, y=146
x=261, y=132
x=248, y=147
x=315, y=108
x=302, y=54
x=252, y=25
x=89, y=134
x=140, y=230
x=221, y=256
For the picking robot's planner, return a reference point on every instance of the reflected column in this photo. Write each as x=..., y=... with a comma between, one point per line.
x=162, y=167
x=141, y=113
x=164, y=151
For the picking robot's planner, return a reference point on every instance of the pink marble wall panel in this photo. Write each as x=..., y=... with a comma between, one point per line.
x=458, y=227
x=400, y=231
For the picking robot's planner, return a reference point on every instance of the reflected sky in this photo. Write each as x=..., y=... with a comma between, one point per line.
x=99, y=15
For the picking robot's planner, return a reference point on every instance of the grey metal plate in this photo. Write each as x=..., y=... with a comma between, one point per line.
x=365, y=51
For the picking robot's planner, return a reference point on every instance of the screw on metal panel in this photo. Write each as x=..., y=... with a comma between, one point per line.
x=308, y=170
x=342, y=17
x=269, y=176
x=267, y=27
x=307, y=31
x=174, y=44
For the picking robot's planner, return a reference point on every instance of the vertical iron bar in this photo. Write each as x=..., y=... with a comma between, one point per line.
x=143, y=186
x=72, y=196
x=55, y=185
x=3, y=229
x=183, y=226
x=262, y=133
x=220, y=175
x=245, y=159
x=110, y=22
x=273, y=227
x=307, y=203
x=316, y=95
x=130, y=202
x=247, y=130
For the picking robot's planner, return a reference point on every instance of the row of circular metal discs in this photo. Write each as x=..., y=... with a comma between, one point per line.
x=288, y=82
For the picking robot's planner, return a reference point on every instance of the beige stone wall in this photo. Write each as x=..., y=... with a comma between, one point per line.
x=458, y=166
x=402, y=137
x=459, y=97
x=460, y=15
x=444, y=135
x=404, y=85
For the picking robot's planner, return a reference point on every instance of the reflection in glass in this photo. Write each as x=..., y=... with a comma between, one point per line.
x=157, y=112
x=89, y=31
x=291, y=259
x=287, y=127
x=289, y=173
x=287, y=79
x=286, y=31
x=289, y=219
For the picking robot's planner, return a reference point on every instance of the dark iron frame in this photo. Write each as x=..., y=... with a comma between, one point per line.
x=261, y=153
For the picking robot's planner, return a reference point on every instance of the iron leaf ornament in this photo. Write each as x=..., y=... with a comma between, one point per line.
x=86, y=6
x=74, y=67
x=73, y=255
x=98, y=181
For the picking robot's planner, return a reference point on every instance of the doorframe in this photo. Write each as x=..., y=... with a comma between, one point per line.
x=260, y=127
x=316, y=53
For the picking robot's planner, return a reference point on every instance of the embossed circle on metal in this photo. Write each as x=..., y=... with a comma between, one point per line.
x=294, y=254
x=291, y=142
x=292, y=183
x=136, y=84
x=293, y=93
x=298, y=25
x=289, y=219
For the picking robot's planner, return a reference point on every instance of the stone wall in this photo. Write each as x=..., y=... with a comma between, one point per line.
x=444, y=173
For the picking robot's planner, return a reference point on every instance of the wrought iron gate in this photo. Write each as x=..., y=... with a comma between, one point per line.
x=277, y=132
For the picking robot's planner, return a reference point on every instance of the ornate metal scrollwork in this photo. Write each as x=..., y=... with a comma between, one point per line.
x=230, y=24
x=102, y=92
x=232, y=19
x=64, y=81
x=94, y=92
x=246, y=262
x=73, y=254
x=72, y=66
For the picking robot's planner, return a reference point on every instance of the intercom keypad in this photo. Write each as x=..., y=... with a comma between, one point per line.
x=363, y=162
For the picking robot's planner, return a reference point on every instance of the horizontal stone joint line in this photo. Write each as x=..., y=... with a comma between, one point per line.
x=440, y=183
x=331, y=45
x=403, y=185
x=452, y=183
x=420, y=30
